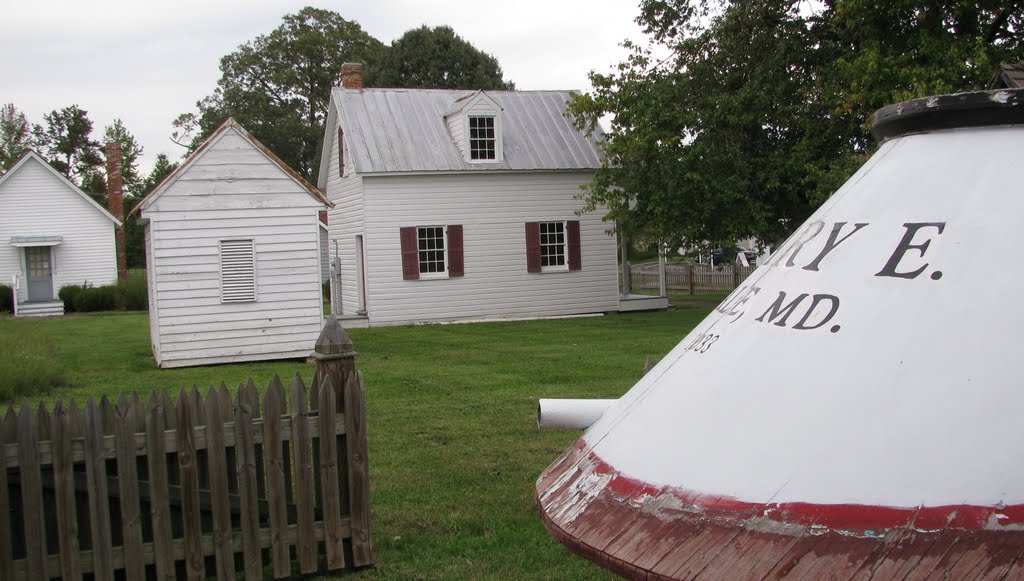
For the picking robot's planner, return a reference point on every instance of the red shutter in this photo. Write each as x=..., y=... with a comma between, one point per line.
x=533, y=247
x=456, y=263
x=572, y=228
x=410, y=254
x=341, y=152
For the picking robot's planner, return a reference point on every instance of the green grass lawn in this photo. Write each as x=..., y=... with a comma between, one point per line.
x=454, y=448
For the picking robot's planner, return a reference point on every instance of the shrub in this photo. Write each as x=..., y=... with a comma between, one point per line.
x=100, y=298
x=132, y=294
x=29, y=364
x=6, y=299
x=325, y=288
x=69, y=294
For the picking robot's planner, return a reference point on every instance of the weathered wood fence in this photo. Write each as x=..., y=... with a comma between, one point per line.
x=201, y=487
x=699, y=279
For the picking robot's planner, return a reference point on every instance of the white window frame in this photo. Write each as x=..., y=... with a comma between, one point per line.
x=497, y=137
x=443, y=273
x=564, y=267
x=239, y=247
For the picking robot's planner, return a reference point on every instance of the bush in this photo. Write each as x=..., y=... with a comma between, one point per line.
x=100, y=298
x=69, y=294
x=125, y=295
x=29, y=364
x=132, y=294
x=6, y=299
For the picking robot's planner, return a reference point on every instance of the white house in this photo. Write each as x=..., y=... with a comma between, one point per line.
x=52, y=234
x=233, y=256
x=461, y=205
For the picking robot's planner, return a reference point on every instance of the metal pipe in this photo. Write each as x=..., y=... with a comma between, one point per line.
x=570, y=414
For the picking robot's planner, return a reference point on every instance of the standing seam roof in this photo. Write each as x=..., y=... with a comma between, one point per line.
x=404, y=130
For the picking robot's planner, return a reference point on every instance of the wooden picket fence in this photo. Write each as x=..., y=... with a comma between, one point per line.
x=199, y=487
x=696, y=279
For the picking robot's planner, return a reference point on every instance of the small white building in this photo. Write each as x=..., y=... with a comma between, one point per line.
x=461, y=205
x=233, y=256
x=52, y=234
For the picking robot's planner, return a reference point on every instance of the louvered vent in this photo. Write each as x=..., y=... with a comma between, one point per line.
x=237, y=271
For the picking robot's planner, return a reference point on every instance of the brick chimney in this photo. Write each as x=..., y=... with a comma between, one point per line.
x=352, y=76
x=115, y=203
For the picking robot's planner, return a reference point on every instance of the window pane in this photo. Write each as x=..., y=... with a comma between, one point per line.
x=482, y=140
x=430, y=240
x=552, y=244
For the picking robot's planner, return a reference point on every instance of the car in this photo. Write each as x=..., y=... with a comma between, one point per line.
x=718, y=256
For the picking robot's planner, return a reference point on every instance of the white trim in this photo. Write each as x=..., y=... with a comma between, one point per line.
x=330, y=128
x=444, y=238
x=23, y=241
x=497, y=138
x=564, y=267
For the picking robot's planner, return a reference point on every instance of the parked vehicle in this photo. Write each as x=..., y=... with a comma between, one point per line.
x=720, y=256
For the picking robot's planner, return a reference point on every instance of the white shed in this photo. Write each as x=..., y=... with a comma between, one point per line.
x=233, y=256
x=461, y=206
x=52, y=234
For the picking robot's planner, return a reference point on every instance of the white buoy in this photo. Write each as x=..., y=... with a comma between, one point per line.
x=872, y=419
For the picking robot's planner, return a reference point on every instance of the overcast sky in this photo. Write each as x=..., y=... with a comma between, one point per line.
x=147, y=62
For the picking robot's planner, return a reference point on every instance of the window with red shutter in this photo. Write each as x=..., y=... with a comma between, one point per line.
x=553, y=246
x=432, y=252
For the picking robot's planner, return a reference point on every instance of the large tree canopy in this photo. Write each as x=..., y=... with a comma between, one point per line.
x=66, y=141
x=15, y=136
x=760, y=109
x=278, y=85
x=436, y=58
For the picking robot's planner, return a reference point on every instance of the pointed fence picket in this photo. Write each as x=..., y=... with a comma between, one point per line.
x=206, y=486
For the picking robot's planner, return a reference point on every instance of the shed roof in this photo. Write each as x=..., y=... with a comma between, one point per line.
x=229, y=125
x=33, y=156
x=404, y=130
x=1009, y=76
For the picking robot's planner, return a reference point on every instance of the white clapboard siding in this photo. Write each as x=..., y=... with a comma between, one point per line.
x=36, y=202
x=493, y=210
x=227, y=197
x=345, y=223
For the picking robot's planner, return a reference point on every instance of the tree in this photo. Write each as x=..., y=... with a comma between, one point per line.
x=278, y=85
x=131, y=151
x=134, y=233
x=436, y=58
x=67, y=143
x=760, y=110
x=15, y=136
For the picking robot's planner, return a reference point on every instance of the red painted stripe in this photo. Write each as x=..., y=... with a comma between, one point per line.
x=856, y=519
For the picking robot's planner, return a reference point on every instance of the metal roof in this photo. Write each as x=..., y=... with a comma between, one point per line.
x=404, y=130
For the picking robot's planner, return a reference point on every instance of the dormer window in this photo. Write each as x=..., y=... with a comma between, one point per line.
x=474, y=122
x=482, y=140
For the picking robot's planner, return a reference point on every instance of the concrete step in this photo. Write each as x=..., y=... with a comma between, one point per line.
x=41, y=309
